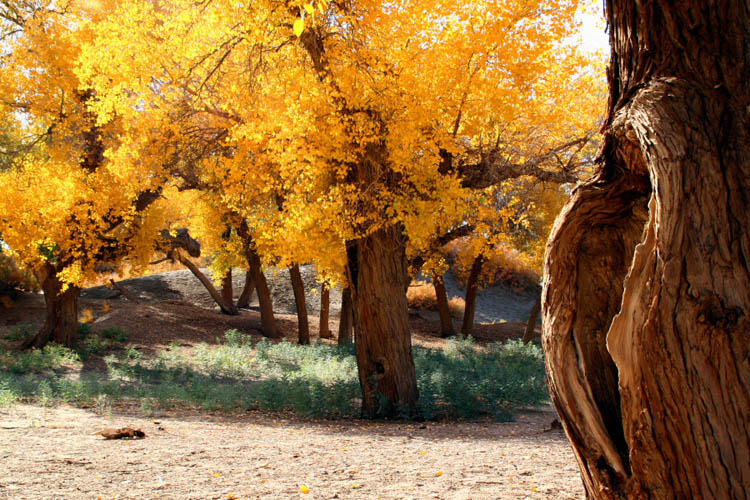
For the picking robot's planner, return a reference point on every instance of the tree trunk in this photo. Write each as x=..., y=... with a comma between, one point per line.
x=303, y=325
x=531, y=324
x=247, y=291
x=446, y=322
x=227, y=291
x=346, y=318
x=324, y=331
x=472, y=286
x=378, y=274
x=225, y=307
x=269, y=327
x=646, y=300
x=61, y=313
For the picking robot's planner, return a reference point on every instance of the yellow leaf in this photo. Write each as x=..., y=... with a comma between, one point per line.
x=309, y=8
x=299, y=27
x=304, y=489
x=356, y=486
x=440, y=473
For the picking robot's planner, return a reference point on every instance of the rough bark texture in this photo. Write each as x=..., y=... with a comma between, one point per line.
x=346, y=318
x=61, y=315
x=324, y=331
x=303, y=325
x=647, y=272
x=531, y=324
x=446, y=322
x=472, y=286
x=247, y=291
x=379, y=276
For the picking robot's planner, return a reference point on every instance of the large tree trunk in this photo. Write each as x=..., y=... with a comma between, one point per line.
x=346, y=318
x=472, y=286
x=247, y=291
x=298, y=286
x=324, y=331
x=379, y=276
x=647, y=274
x=446, y=322
x=61, y=313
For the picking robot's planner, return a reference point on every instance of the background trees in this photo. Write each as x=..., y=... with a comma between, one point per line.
x=313, y=133
x=646, y=301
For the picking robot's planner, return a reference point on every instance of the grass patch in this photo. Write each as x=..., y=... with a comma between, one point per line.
x=463, y=381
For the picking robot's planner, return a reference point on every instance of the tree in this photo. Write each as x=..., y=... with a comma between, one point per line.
x=645, y=301
x=69, y=201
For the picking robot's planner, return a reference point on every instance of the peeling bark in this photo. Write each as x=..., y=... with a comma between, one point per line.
x=646, y=298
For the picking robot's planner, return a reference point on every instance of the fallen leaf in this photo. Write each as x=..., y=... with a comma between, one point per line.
x=304, y=489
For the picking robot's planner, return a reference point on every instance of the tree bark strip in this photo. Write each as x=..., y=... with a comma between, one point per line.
x=247, y=291
x=531, y=324
x=303, y=325
x=324, y=331
x=227, y=291
x=646, y=301
x=269, y=327
x=346, y=318
x=472, y=286
x=446, y=321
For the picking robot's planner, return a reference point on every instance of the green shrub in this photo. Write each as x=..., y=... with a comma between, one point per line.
x=20, y=332
x=115, y=333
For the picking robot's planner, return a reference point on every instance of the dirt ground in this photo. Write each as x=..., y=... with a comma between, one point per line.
x=53, y=453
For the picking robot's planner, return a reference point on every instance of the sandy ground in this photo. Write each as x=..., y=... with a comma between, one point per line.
x=53, y=453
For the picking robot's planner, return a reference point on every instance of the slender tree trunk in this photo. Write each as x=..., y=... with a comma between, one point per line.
x=269, y=327
x=446, y=321
x=646, y=300
x=531, y=324
x=379, y=276
x=324, y=331
x=298, y=286
x=472, y=286
x=225, y=307
x=61, y=313
x=227, y=291
x=247, y=291
x=346, y=318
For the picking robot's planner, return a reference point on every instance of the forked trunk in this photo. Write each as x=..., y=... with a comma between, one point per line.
x=379, y=276
x=346, y=318
x=303, y=325
x=247, y=291
x=324, y=331
x=472, y=286
x=646, y=300
x=446, y=322
x=61, y=313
